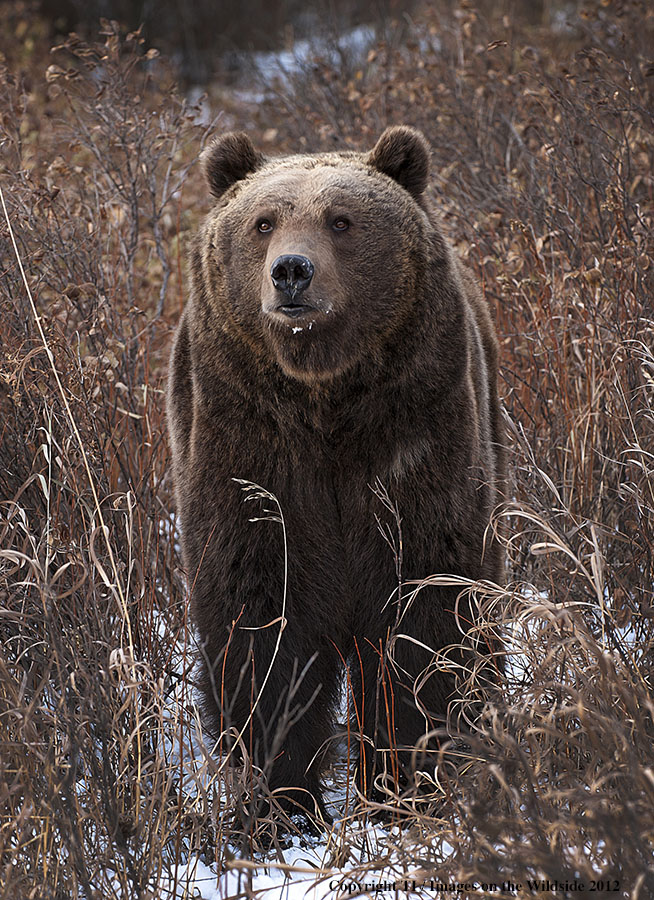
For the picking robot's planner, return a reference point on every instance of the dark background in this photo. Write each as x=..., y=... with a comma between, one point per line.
x=197, y=34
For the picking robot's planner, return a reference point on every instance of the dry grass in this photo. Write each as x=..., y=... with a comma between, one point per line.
x=543, y=159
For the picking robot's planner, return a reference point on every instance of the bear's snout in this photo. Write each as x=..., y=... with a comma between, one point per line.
x=291, y=275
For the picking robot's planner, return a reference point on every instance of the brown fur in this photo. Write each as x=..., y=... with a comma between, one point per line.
x=392, y=377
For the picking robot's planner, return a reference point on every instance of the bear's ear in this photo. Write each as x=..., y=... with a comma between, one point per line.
x=229, y=159
x=402, y=153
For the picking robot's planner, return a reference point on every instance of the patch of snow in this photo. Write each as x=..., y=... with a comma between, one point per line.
x=304, y=873
x=283, y=64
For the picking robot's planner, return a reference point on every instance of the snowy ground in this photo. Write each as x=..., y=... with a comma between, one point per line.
x=262, y=72
x=306, y=868
x=303, y=873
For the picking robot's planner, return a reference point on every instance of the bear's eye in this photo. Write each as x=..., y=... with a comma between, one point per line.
x=340, y=224
x=264, y=226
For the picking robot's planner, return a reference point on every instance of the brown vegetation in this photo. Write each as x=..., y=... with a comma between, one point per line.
x=543, y=158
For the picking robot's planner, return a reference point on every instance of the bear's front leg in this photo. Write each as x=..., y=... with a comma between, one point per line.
x=402, y=691
x=269, y=672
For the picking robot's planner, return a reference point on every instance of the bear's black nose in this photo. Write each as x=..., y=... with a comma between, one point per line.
x=291, y=274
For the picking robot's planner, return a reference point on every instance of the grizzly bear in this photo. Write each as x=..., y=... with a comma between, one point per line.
x=332, y=342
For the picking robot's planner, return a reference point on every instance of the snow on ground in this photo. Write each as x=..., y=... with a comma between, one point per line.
x=284, y=64
x=304, y=874
x=305, y=870
x=263, y=70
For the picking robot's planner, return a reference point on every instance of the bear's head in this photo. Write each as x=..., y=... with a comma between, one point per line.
x=316, y=259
